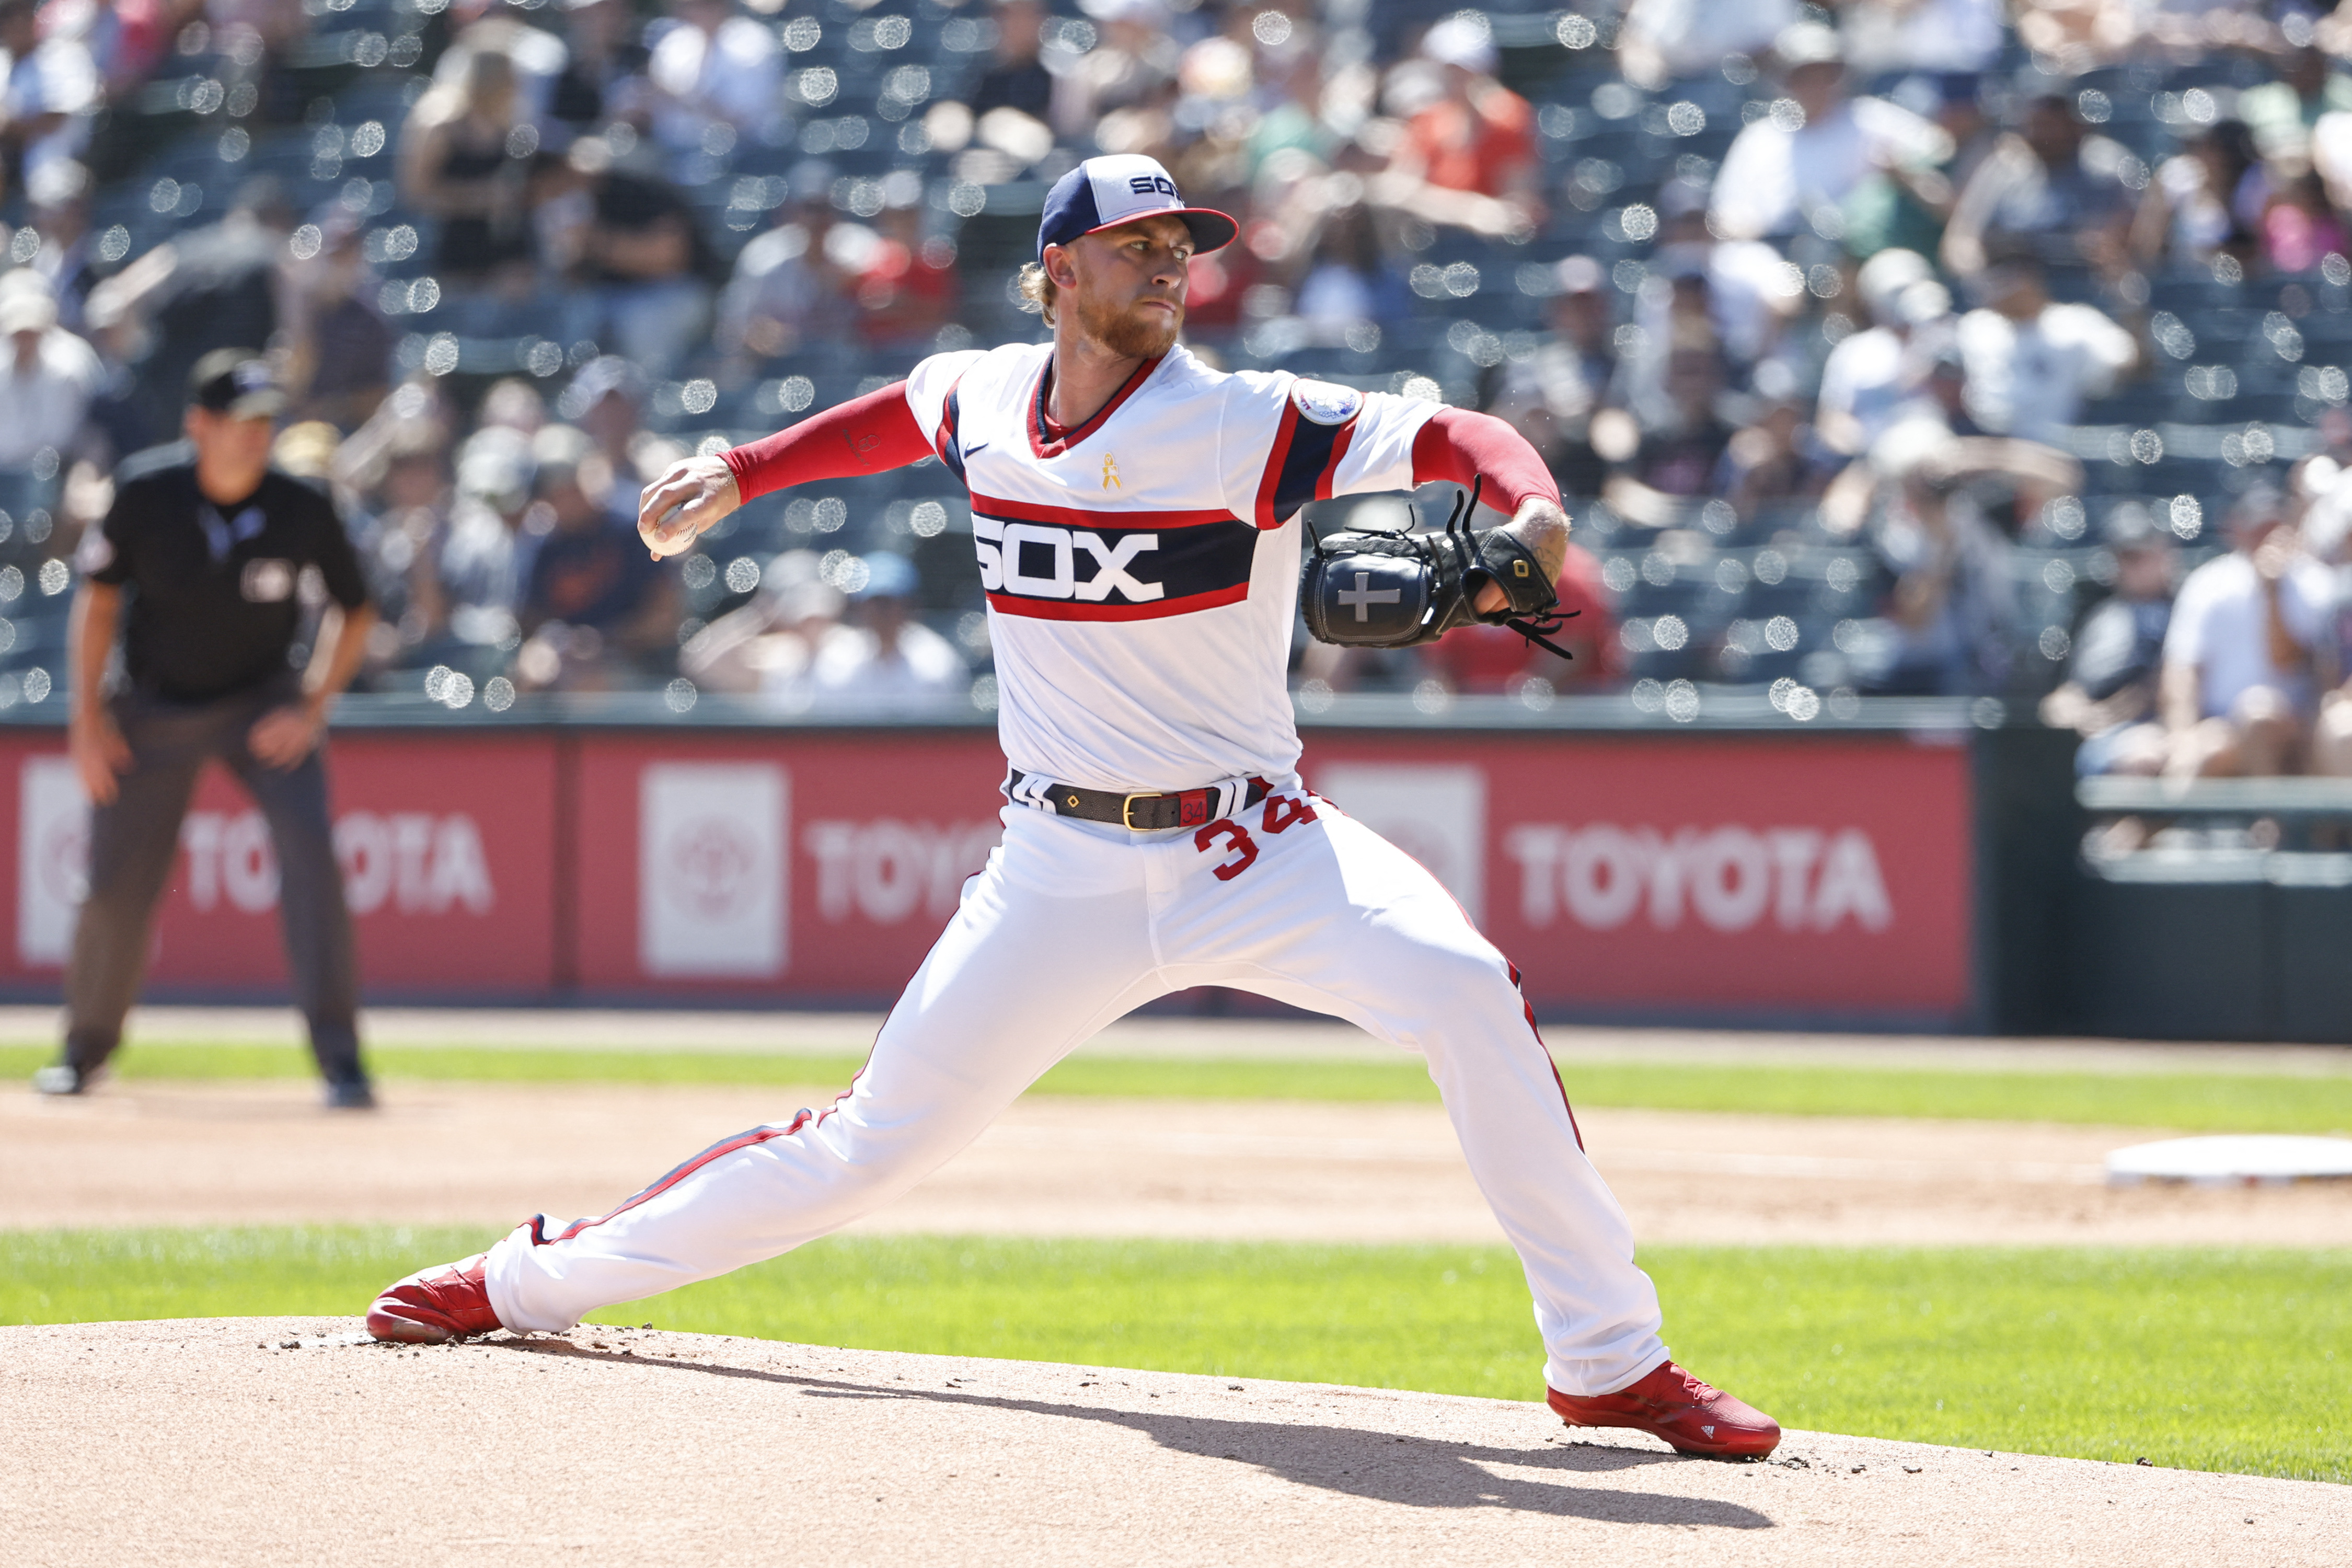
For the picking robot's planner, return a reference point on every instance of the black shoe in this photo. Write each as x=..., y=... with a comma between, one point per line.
x=360, y=1096
x=62, y=1078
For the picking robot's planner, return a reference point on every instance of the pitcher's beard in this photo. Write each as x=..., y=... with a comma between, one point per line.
x=1130, y=332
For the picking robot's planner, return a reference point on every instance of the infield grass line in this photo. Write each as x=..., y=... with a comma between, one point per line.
x=2184, y=1101
x=2203, y=1358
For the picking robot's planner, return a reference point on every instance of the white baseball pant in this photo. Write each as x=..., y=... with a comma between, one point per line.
x=1071, y=925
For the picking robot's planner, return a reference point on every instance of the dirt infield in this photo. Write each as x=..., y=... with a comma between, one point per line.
x=155, y=1153
x=652, y=1449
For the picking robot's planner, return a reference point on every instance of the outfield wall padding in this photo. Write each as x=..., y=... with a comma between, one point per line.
x=1912, y=875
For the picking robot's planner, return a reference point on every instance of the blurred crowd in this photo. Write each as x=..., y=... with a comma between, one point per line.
x=1895, y=347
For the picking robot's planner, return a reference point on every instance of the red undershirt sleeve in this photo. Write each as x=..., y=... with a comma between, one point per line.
x=864, y=436
x=1461, y=445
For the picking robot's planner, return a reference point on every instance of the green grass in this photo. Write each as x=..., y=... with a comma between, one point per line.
x=2205, y=1359
x=2187, y=1102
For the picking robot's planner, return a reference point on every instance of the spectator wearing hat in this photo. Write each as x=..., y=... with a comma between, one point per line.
x=1818, y=149
x=47, y=376
x=1583, y=346
x=1709, y=292
x=1468, y=159
x=2031, y=361
x=217, y=547
x=2109, y=695
x=884, y=661
x=2238, y=687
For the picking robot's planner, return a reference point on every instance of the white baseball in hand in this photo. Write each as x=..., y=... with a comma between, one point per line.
x=678, y=507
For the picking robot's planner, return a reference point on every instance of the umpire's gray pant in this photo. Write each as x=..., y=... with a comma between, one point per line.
x=134, y=841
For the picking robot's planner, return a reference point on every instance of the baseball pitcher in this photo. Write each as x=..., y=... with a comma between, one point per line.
x=1137, y=519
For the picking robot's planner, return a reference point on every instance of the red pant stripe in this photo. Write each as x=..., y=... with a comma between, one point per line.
x=756, y=1135
x=1529, y=1008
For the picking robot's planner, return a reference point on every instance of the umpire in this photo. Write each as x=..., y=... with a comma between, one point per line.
x=202, y=563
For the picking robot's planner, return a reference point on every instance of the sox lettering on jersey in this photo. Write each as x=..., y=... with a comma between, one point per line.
x=1061, y=564
x=1006, y=563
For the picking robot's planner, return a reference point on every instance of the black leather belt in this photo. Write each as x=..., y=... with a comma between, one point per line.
x=1144, y=811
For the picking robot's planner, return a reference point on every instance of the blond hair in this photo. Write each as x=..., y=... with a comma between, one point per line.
x=1038, y=291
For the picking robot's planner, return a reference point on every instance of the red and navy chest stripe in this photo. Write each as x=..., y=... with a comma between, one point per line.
x=1063, y=563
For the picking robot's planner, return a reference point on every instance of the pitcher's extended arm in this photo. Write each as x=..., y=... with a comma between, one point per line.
x=864, y=436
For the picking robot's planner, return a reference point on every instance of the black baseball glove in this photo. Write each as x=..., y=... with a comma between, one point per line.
x=1394, y=590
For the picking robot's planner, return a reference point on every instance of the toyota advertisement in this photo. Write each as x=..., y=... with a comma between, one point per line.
x=1622, y=874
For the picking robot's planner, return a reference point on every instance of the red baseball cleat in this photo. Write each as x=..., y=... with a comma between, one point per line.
x=434, y=1306
x=1670, y=1403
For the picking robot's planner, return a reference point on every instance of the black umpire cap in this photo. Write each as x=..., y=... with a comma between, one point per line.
x=237, y=383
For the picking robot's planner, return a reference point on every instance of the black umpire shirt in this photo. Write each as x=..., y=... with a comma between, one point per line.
x=216, y=589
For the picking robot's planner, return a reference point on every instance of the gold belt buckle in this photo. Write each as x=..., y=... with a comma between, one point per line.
x=1127, y=808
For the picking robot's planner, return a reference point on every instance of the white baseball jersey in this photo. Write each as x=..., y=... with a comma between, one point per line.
x=1142, y=569
x=1143, y=574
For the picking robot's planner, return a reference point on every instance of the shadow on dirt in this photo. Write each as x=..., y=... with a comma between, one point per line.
x=1379, y=1466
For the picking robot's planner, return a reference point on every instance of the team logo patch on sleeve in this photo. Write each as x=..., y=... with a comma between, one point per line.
x=1324, y=403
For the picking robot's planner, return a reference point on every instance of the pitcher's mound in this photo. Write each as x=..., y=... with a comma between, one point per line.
x=298, y=1441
